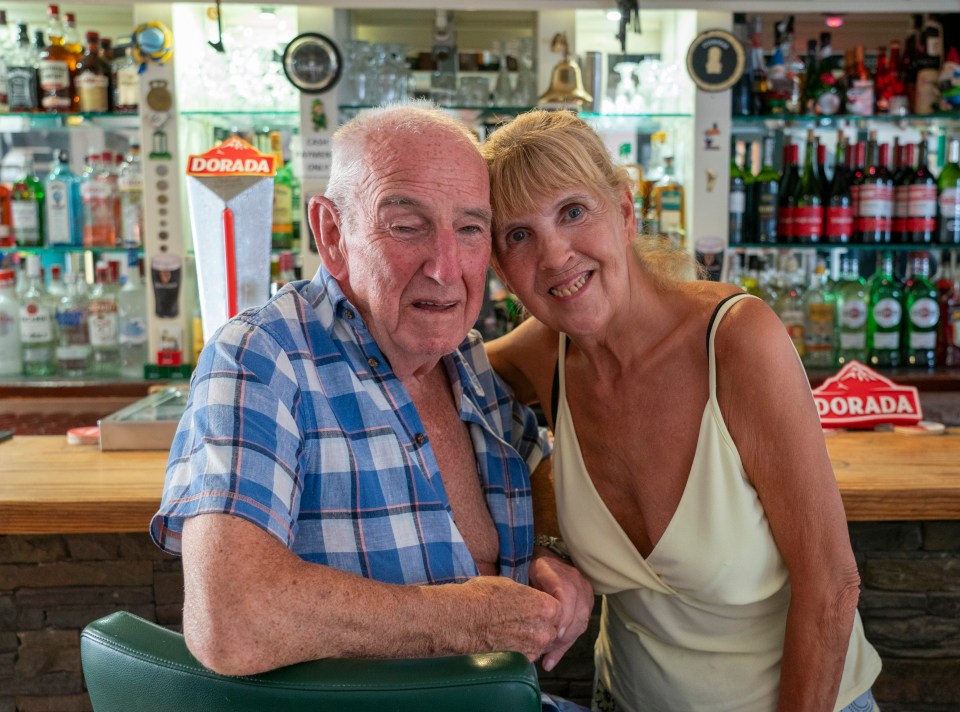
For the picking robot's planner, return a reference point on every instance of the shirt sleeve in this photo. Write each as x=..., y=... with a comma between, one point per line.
x=237, y=446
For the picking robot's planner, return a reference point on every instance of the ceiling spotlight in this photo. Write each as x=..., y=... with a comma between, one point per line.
x=834, y=21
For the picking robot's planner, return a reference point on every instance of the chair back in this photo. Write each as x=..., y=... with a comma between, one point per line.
x=132, y=664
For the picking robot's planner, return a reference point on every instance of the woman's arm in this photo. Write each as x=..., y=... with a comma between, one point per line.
x=525, y=358
x=765, y=399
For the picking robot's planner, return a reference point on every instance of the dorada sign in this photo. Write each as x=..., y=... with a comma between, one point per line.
x=859, y=397
x=233, y=157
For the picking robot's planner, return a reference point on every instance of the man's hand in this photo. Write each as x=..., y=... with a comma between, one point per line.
x=575, y=596
x=512, y=617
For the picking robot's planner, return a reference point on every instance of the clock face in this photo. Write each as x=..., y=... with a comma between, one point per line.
x=312, y=63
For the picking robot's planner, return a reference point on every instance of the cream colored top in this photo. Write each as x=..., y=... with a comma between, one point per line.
x=699, y=624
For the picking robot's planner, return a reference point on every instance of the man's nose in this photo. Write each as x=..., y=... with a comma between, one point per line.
x=443, y=262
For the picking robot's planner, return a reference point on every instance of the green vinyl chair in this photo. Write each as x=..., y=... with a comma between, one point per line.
x=131, y=664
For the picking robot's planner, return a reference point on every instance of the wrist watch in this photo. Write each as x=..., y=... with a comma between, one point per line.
x=554, y=544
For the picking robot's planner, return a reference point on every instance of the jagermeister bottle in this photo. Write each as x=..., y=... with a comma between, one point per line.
x=886, y=314
x=922, y=314
x=819, y=305
x=851, y=312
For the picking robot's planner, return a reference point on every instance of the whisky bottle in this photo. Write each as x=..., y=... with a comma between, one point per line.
x=886, y=314
x=125, y=82
x=669, y=200
x=22, y=89
x=56, y=68
x=282, y=230
x=92, y=79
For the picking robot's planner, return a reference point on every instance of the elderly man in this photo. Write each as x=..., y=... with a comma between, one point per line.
x=350, y=478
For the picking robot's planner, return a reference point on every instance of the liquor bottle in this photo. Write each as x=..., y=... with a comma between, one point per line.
x=56, y=69
x=11, y=363
x=285, y=272
x=6, y=49
x=926, y=93
x=860, y=87
x=948, y=185
x=27, y=208
x=125, y=81
x=765, y=192
x=838, y=222
x=133, y=322
x=790, y=308
x=807, y=199
x=55, y=286
x=922, y=314
x=63, y=204
x=738, y=228
x=819, y=305
x=92, y=79
x=828, y=101
x=73, y=344
x=37, y=329
x=669, y=200
x=758, y=67
x=779, y=86
x=811, y=80
x=793, y=63
x=851, y=290
x=22, y=89
x=948, y=341
x=741, y=99
x=909, y=68
x=130, y=187
x=858, y=157
x=922, y=200
x=886, y=314
x=883, y=81
x=106, y=50
x=282, y=230
x=902, y=176
x=875, y=197
x=71, y=35
x=7, y=238
x=786, y=204
x=98, y=192
x=103, y=325
x=823, y=183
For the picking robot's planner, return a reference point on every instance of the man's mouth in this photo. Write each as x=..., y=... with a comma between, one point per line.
x=433, y=306
x=572, y=288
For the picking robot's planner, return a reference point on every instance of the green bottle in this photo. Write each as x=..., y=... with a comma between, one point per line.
x=886, y=314
x=922, y=314
x=26, y=204
x=851, y=326
x=765, y=191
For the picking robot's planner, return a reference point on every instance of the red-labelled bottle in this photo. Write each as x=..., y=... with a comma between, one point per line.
x=789, y=178
x=838, y=222
x=901, y=189
x=808, y=198
x=858, y=156
x=875, y=197
x=922, y=199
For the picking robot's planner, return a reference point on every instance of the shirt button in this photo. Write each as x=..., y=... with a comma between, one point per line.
x=372, y=362
x=348, y=314
x=420, y=438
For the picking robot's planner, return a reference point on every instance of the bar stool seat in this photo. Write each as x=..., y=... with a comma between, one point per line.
x=132, y=664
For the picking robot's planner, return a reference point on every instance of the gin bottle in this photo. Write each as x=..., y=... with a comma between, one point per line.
x=103, y=323
x=73, y=346
x=63, y=205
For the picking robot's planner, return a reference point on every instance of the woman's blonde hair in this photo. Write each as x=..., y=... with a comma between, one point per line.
x=541, y=152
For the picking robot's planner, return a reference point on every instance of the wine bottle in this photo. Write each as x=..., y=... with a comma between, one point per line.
x=786, y=205
x=839, y=218
x=948, y=185
x=875, y=198
x=738, y=233
x=902, y=176
x=765, y=189
x=807, y=199
x=922, y=199
x=858, y=156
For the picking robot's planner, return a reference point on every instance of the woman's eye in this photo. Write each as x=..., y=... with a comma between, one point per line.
x=575, y=211
x=517, y=236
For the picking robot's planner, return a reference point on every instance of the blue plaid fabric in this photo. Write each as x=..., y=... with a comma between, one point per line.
x=297, y=423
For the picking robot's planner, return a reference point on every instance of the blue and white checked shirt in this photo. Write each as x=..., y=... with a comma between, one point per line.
x=297, y=423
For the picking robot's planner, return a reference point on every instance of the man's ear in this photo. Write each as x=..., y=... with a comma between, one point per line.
x=325, y=224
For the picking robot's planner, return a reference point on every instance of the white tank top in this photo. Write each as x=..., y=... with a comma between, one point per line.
x=699, y=624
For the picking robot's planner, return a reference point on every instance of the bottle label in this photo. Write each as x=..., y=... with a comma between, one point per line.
x=92, y=92
x=71, y=318
x=133, y=331
x=738, y=202
x=282, y=209
x=950, y=214
x=54, y=75
x=819, y=327
x=924, y=313
x=839, y=222
x=102, y=323
x=875, y=200
x=59, y=229
x=22, y=88
x=671, y=219
x=953, y=320
x=887, y=313
x=26, y=221
x=128, y=86
x=785, y=223
x=927, y=94
x=73, y=352
x=852, y=341
x=923, y=340
x=8, y=325
x=853, y=315
x=860, y=97
x=901, y=208
x=36, y=326
x=767, y=217
x=828, y=103
x=887, y=340
x=807, y=222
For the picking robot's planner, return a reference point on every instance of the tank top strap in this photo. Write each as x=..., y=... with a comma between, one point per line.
x=718, y=313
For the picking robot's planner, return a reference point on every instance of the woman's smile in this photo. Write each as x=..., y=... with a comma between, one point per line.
x=573, y=287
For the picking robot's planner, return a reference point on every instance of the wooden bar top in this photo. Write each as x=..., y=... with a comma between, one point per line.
x=50, y=487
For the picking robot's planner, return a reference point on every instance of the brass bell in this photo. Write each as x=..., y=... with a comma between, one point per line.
x=566, y=82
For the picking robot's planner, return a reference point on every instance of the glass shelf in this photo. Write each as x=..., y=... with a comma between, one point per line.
x=244, y=119
x=255, y=114
x=826, y=246
x=18, y=121
x=781, y=120
x=67, y=249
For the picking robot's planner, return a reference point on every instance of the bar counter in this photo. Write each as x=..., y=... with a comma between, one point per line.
x=50, y=487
